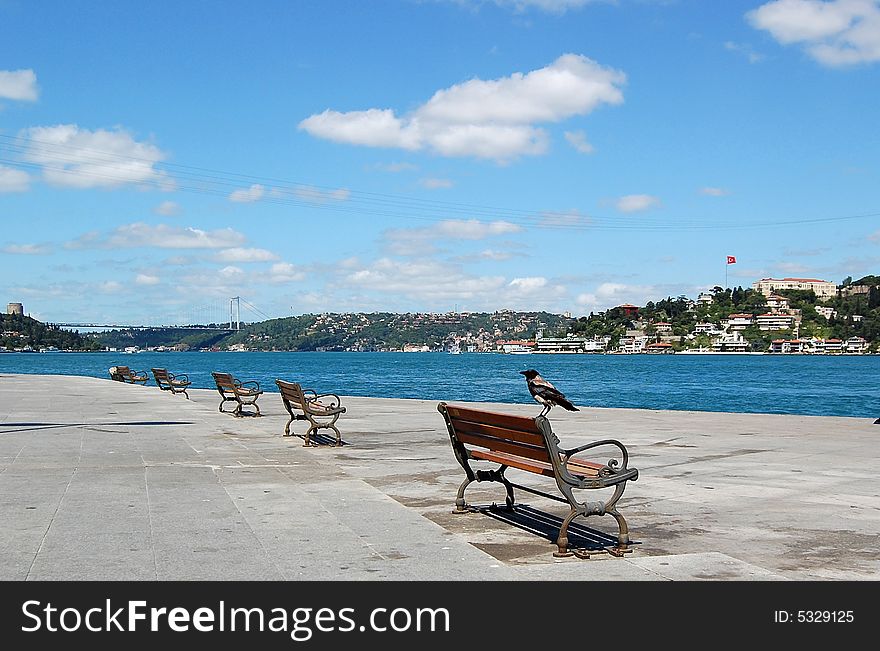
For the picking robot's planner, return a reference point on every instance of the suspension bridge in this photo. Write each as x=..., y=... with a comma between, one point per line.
x=222, y=315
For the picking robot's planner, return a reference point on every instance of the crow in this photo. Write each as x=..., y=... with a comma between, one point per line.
x=545, y=393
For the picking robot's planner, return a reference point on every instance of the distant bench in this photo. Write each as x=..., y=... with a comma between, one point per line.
x=321, y=410
x=125, y=374
x=529, y=444
x=244, y=394
x=171, y=382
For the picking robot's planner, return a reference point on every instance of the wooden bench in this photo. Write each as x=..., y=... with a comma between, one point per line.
x=322, y=410
x=244, y=394
x=529, y=444
x=171, y=382
x=125, y=374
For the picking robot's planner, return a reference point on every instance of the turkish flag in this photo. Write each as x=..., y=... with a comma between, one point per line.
x=731, y=259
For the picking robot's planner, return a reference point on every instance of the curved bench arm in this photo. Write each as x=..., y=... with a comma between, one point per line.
x=612, y=463
x=183, y=377
x=333, y=403
x=256, y=385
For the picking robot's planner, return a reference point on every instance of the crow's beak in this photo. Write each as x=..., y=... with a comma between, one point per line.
x=522, y=372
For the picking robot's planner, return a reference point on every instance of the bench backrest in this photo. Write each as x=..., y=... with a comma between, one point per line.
x=518, y=435
x=161, y=376
x=291, y=394
x=123, y=371
x=225, y=383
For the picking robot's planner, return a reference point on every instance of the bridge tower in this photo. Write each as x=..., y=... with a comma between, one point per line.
x=235, y=313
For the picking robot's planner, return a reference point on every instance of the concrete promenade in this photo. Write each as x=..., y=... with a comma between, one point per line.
x=107, y=481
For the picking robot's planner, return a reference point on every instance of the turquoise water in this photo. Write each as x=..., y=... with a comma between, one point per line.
x=792, y=384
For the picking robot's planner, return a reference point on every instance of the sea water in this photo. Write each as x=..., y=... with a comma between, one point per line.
x=839, y=385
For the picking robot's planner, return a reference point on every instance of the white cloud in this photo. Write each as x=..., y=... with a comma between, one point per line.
x=110, y=287
x=492, y=119
x=13, y=180
x=394, y=168
x=567, y=219
x=284, y=272
x=792, y=268
x=578, y=140
x=745, y=50
x=834, y=33
x=251, y=194
x=636, y=202
x=714, y=192
x=78, y=158
x=317, y=195
x=19, y=85
x=159, y=236
x=146, y=279
x=26, y=249
x=423, y=280
x=167, y=209
x=420, y=241
x=240, y=254
x=608, y=295
x=550, y=6
x=435, y=184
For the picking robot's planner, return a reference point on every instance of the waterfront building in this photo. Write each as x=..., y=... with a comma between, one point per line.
x=822, y=288
x=660, y=347
x=633, y=345
x=788, y=346
x=855, y=345
x=732, y=342
x=831, y=346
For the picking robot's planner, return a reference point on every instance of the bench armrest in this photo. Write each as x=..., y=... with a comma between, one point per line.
x=251, y=385
x=612, y=463
x=333, y=403
x=183, y=377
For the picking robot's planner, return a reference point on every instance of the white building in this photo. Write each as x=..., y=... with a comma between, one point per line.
x=775, y=321
x=822, y=288
x=827, y=312
x=855, y=345
x=707, y=328
x=739, y=321
x=633, y=345
x=732, y=342
x=776, y=302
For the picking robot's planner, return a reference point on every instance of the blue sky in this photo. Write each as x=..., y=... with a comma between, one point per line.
x=568, y=155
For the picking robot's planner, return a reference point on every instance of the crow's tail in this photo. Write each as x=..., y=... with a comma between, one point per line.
x=563, y=402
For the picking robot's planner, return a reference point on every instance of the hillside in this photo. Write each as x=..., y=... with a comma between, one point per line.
x=18, y=332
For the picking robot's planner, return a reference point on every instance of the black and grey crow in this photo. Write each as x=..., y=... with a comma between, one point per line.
x=545, y=393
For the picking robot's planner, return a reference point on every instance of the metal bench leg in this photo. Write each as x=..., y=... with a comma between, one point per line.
x=622, y=537
x=460, y=503
x=307, y=440
x=562, y=550
x=623, y=530
x=287, y=427
x=338, y=435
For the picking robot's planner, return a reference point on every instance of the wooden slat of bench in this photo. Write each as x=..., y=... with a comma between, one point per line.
x=576, y=467
x=519, y=423
x=505, y=446
x=468, y=427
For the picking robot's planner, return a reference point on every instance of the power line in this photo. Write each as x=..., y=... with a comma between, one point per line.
x=285, y=192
